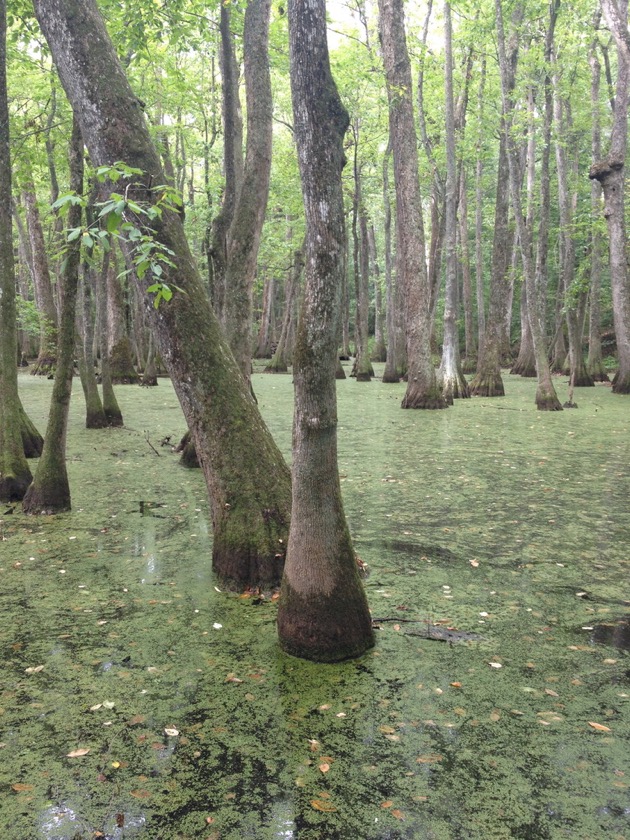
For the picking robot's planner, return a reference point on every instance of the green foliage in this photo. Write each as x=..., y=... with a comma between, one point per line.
x=28, y=318
x=122, y=218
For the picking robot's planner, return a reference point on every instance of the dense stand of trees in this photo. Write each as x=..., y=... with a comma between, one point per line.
x=480, y=223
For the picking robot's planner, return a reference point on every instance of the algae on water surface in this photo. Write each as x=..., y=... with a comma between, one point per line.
x=137, y=701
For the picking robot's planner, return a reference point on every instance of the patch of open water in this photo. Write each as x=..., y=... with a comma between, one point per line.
x=490, y=520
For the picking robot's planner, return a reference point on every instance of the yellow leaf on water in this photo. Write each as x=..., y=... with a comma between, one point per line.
x=322, y=805
x=141, y=793
x=77, y=753
x=599, y=726
x=21, y=788
x=386, y=730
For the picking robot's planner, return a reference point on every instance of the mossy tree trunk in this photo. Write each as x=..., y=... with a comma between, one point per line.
x=283, y=353
x=393, y=364
x=248, y=481
x=111, y=408
x=422, y=388
x=379, y=353
x=323, y=613
x=119, y=351
x=94, y=414
x=15, y=475
x=362, y=368
x=50, y=490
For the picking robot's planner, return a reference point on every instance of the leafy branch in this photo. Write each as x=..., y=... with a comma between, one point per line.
x=120, y=217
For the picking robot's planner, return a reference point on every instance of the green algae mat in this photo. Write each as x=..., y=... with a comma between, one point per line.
x=137, y=700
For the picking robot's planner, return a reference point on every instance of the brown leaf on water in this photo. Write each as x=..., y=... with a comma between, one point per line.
x=313, y=744
x=456, y=684
x=18, y=787
x=141, y=793
x=387, y=804
x=551, y=693
x=322, y=805
x=324, y=767
x=599, y=726
x=397, y=813
x=429, y=758
x=136, y=719
x=386, y=730
x=77, y=753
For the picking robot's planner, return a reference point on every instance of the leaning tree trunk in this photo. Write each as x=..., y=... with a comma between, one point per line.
x=249, y=214
x=323, y=613
x=50, y=490
x=610, y=173
x=248, y=481
x=15, y=475
x=422, y=388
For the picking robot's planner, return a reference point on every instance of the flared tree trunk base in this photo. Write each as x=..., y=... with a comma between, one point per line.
x=46, y=501
x=44, y=366
x=390, y=376
x=487, y=385
x=469, y=364
x=598, y=372
x=189, y=457
x=546, y=401
x=324, y=628
x=583, y=380
x=276, y=367
x=250, y=553
x=114, y=418
x=14, y=488
x=432, y=398
x=621, y=383
x=525, y=368
x=95, y=418
x=340, y=372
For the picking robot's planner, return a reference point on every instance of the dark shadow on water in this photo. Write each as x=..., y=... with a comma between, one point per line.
x=614, y=633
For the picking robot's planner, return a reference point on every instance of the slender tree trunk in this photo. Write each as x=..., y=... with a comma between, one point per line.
x=266, y=329
x=595, y=364
x=323, y=613
x=111, y=408
x=450, y=374
x=119, y=349
x=249, y=214
x=422, y=388
x=94, y=413
x=393, y=363
x=50, y=490
x=379, y=354
x=15, y=475
x=362, y=369
x=610, y=173
x=232, y=162
x=479, y=272
x=247, y=479
x=282, y=356
x=469, y=363
x=44, y=299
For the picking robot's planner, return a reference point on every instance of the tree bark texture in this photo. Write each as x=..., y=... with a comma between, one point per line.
x=610, y=172
x=422, y=388
x=248, y=481
x=323, y=613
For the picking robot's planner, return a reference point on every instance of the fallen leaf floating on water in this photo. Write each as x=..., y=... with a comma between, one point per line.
x=599, y=726
x=324, y=767
x=77, y=753
x=171, y=731
x=495, y=665
x=551, y=693
x=314, y=744
x=34, y=670
x=322, y=805
x=140, y=793
x=474, y=563
x=21, y=788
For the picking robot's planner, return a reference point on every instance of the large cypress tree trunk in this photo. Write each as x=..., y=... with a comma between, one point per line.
x=15, y=475
x=422, y=388
x=323, y=613
x=248, y=481
x=50, y=490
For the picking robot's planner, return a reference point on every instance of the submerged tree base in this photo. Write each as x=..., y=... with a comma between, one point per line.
x=325, y=628
x=547, y=401
x=32, y=441
x=431, y=398
x=487, y=385
x=13, y=488
x=621, y=383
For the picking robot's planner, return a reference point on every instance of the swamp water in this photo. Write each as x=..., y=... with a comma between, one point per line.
x=138, y=701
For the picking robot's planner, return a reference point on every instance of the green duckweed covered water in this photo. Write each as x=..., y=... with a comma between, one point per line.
x=490, y=518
